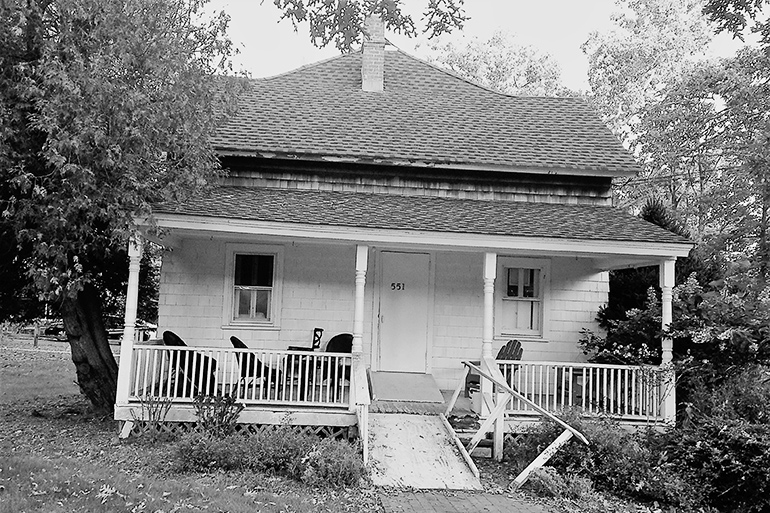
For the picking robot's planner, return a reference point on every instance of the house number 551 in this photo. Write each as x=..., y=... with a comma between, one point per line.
x=397, y=286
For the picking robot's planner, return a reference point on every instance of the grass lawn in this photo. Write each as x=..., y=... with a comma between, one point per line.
x=56, y=456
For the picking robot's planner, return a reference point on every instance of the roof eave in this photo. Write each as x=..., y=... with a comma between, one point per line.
x=462, y=166
x=553, y=246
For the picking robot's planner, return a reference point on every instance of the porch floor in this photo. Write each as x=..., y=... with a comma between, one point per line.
x=462, y=406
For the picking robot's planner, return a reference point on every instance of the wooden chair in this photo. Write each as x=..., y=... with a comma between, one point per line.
x=251, y=368
x=203, y=369
x=512, y=350
x=341, y=343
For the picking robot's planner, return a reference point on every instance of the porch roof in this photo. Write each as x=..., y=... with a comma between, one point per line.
x=423, y=214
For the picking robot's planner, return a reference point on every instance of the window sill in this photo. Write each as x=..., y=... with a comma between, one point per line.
x=254, y=327
x=521, y=338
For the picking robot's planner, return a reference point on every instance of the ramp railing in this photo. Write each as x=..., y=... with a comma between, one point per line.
x=497, y=406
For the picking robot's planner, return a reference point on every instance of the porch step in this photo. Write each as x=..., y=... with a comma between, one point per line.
x=417, y=451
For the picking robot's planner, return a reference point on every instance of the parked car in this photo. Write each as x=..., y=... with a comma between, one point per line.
x=143, y=330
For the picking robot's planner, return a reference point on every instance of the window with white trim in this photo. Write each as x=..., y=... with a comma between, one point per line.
x=253, y=288
x=520, y=295
x=252, y=285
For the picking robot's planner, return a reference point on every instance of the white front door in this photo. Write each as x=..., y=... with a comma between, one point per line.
x=403, y=316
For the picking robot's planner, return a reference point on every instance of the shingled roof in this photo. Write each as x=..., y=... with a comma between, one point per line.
x=422, y=213
x=425, y=116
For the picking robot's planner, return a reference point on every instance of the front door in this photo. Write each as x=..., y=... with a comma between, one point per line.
x=403, y=315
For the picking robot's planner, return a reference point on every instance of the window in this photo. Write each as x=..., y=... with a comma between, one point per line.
x=253, y=284
x=520, y=297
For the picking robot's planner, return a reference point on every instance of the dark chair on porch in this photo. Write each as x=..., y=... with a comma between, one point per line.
x=252, y=369
x=512, y=350
x=341, y=343
x=201, y=370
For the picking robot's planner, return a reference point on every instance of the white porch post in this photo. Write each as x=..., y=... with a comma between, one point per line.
x=362, y=259
x=488, y=331
x=129, y=324
x=490, y=273
x=668, y=385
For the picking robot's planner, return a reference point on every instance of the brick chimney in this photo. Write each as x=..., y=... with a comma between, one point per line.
x=373, y=54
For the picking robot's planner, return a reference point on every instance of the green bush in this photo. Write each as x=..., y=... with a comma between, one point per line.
x=333, y=463
x=546, y=482
x=203, y=452
x=615, y=460
x=217, y=415
x=724, y=443
x=280, y=450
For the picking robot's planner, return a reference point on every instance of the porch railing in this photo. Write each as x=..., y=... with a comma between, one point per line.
x=633, y=393
x=270, y=377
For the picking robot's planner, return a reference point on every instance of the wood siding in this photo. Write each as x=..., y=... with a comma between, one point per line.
x=318, y=291
x=501, y=186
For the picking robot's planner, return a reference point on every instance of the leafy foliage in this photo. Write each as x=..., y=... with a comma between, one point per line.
x=105, y=107
x=615, y=460
x=649, y=44
x=217, y=415
x=342, y=22
x=332, y=463
x=502, y=64
x=283, y=449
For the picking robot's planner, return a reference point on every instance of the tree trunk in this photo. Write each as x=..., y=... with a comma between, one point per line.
x=95, y=366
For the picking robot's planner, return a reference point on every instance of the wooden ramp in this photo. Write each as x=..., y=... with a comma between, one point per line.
x=418, y=451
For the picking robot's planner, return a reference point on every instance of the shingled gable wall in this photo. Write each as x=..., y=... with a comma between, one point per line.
x=550, y=188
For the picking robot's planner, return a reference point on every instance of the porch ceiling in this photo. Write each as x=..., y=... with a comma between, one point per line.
x=544, y=228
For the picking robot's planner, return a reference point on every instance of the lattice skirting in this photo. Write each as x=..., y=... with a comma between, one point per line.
x=178, y=428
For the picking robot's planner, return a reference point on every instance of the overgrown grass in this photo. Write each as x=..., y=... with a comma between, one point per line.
x=30, y=376
x=39, y=484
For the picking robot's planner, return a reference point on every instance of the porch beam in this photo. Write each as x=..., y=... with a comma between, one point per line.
x=362, y=263
x=668, y=384
x=418, y=239
x=135, y=245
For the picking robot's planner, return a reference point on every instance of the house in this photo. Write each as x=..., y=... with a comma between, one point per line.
x=428, y=217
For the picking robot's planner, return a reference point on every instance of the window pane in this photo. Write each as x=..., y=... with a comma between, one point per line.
x=254, y=270
x=243, y=303
x=530, y=283
x=513, y=283
x=262, y=304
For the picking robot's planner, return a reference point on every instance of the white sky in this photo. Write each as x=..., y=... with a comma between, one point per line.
x=558, y=27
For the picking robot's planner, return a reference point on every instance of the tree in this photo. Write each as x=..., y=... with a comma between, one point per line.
x=734, y=15
x=650, y=43
x=105, y=107
x=341, y=22
x=502, y=64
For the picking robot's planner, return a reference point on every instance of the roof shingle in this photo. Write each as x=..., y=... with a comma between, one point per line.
x=425, y=115
x=423, y=213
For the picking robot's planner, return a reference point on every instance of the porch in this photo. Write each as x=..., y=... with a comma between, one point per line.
x=333, y=389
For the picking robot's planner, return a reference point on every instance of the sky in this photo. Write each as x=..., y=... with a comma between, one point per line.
x=558, y=27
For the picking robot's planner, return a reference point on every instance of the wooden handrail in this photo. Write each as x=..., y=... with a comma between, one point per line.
x=499, y=380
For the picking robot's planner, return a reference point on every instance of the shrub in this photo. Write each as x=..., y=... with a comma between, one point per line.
x=280, y=450
x=217, y=415
x=202, y=452
x=333, y=463
x=546, y=482
x=619, y=462
x=724, y=445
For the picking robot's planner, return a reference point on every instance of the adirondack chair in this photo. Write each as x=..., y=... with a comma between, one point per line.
x=251, y=368
x=512, y=350
x=200, y=371
x=341, y=343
